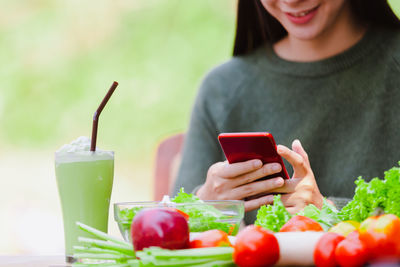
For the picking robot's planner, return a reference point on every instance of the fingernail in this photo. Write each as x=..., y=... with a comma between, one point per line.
x=278, y=182
x=279, y=149
x=257, y=163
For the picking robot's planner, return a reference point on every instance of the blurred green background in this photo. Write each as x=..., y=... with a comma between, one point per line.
x=59, y=59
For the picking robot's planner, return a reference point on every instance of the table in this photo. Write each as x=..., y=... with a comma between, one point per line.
x=33, y=261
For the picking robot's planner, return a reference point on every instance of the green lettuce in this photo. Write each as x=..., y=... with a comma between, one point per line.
x=326, y=217
x=183, y=197
x=202, y=217
x=273, y=217
x=375, y=194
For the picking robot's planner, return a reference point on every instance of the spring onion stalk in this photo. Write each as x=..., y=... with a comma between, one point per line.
x=100, y=234
x=101, y=256
x=101, y=264
x=112, y=252
x=186, y=257
x=189, y=253
x=90, y=242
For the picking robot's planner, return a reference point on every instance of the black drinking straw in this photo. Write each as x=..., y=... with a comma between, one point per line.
x=97, y=115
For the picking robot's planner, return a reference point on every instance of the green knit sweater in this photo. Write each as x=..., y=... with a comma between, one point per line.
x=345, y=110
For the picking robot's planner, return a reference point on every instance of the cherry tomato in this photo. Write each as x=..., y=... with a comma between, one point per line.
x=300, y=223
x=381, y=234
x=256, y=247
x=210, y=238
x=324, y=253
x=351, y=251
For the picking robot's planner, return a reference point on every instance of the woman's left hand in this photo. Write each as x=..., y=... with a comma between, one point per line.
x=301, y=189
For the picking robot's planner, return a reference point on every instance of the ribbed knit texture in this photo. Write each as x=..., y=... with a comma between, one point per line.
x=345, y=110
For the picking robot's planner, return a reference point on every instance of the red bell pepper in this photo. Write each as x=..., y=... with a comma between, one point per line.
x=210, y=238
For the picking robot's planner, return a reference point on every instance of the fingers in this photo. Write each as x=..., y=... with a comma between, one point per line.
x=300, y=166
x=293, y=210
x=298, y=199
x=255, y=188
x=298, y=148
x=266, y=170
x=226, y=170
x=288, y=187
x=258, y=202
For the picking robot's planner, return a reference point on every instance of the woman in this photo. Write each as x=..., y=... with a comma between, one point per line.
x=326, y=72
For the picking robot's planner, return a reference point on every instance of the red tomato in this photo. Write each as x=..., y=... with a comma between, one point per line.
x=255, y=247
x=381, y=234
x=351, y=251
x=324, y=252
x=210, y=238
x=300, y=223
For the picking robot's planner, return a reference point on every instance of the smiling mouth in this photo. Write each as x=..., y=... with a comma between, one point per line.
x=302, y=13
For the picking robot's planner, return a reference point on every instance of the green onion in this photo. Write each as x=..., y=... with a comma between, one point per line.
x=100, y=234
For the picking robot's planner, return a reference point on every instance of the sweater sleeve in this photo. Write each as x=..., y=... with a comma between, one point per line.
x=201, y=148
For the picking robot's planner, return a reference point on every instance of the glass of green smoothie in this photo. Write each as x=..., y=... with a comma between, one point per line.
x=84, y=180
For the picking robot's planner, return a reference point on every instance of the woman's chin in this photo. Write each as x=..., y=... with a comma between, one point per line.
x=304, y=34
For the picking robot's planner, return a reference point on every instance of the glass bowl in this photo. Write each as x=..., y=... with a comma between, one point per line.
x=225, y=215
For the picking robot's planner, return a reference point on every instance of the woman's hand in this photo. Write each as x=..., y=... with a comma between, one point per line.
x=238, y=181
x=302, y=189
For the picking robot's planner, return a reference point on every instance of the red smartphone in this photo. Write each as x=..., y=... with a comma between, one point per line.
x=239, y=147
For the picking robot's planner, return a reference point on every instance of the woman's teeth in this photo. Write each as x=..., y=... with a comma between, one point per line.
x=301, y=14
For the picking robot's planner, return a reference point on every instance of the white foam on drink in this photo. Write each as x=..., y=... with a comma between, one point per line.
x=79, y=150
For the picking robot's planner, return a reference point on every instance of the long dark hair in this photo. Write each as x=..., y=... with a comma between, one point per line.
x=255, y=26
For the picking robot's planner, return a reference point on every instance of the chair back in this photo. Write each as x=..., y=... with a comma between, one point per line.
x=166, y=165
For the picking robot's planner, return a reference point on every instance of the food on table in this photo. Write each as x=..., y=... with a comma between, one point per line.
x=201, y=257
x=203, y=215
x=381, y=235
x=345, y=227
x=297, y=248
x=327, y=216
x=104, y=248
x=347, y=244
x=256, y=246
x=110, y=251
x=351, y=251
x=273, y=217
x=324, y=252
x=159, y=227
x=299, y=223
x=184, y=214
x=377, y=193
x=210, y=238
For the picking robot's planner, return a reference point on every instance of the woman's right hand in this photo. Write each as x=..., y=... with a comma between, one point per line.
x=237, y=181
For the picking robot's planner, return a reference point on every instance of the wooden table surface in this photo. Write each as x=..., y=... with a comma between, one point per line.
x=32, y=261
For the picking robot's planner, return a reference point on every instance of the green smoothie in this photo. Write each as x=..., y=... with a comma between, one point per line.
x=84, y=181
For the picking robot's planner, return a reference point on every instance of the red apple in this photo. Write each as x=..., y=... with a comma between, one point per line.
x=159, y=227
